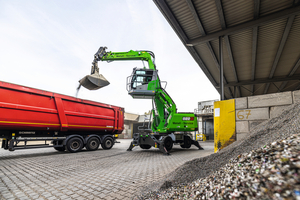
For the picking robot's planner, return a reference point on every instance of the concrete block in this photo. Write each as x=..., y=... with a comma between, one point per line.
x=242, y=127
x=241, y=103
x=252, y=114
x=267, y=100
x=296, y=96
x=277, y=110
x=253, y=124
x=240, y=136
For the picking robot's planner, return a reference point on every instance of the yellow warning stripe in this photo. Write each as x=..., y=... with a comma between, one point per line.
x=90, y=126
x=94, y=126
x=9, y=122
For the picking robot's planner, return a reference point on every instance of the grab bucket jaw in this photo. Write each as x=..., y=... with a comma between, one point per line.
x=94, y=81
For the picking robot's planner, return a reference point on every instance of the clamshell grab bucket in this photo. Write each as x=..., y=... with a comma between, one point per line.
x=94, y=81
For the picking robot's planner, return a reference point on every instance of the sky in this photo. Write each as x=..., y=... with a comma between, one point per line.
x=50, y=45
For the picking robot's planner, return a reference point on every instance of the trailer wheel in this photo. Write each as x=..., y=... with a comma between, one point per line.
x=74, y=145
x=145, y=146
x=168, y=142
x=187, y=142
x=60, y=148
x=107, y=143
x=92, y=144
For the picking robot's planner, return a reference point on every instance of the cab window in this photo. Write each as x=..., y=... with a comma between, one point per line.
x=141, y=78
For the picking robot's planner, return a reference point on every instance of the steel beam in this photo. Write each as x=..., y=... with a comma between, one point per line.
x=223, y=26
x=298, y=87
x=295, y=68
x=235, y=93
x=196, y=17
x=230, y=55
x=221, y=13
x=280, y=48
x=241, y=27
x=202, y=32
x=218, y=66
x=256, y=8
x=263, y=80
x=221, y=69
x=227, y=42
x=254, y=43
x=292, y=72
x=254, y=53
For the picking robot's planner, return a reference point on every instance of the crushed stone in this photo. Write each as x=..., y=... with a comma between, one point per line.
x=275, y=129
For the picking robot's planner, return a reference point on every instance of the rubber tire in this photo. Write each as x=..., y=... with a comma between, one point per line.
x=107, y=143
x=92, y=144
x=74, y=145
x=60, y=148
x=145, y=146
x=187, y=142
x=168, y=143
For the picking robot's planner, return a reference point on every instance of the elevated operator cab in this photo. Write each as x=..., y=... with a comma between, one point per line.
x=142, y=83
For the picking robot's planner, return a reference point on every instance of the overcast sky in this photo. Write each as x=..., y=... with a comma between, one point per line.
x=50, y=45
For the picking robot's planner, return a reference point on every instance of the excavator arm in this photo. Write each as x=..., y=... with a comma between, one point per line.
x=102, y=55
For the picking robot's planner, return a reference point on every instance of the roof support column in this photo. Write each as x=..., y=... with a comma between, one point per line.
x=236, y=91
x=221, y=68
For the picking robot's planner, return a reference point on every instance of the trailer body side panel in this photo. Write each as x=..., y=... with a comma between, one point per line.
x=24, y=108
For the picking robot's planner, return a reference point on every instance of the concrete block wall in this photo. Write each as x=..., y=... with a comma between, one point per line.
x=253, y=110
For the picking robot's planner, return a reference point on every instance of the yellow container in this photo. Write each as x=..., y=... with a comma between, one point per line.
x=224, y=123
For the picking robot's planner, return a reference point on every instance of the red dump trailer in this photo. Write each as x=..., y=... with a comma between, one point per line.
x=28, y=114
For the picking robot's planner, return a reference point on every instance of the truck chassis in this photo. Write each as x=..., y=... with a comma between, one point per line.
x=13, y=140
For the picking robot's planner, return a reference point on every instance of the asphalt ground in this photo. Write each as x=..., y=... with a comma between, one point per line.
x=102, y=174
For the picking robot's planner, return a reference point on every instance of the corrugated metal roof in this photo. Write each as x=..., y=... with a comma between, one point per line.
x=186, y=20
x=208, y=14
x=233, y=8
x=261, y=41
x=271, y=6
x=241, y=48
x=269, y=37
x=291, y=50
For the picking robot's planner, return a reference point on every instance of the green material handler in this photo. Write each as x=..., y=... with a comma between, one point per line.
x=167, y=125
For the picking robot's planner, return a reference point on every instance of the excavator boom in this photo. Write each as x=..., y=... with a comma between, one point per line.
x=96, y=81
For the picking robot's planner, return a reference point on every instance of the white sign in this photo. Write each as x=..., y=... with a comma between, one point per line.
x=217, y=112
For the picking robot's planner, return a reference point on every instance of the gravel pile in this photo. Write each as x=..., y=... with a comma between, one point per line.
x=217, y=176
